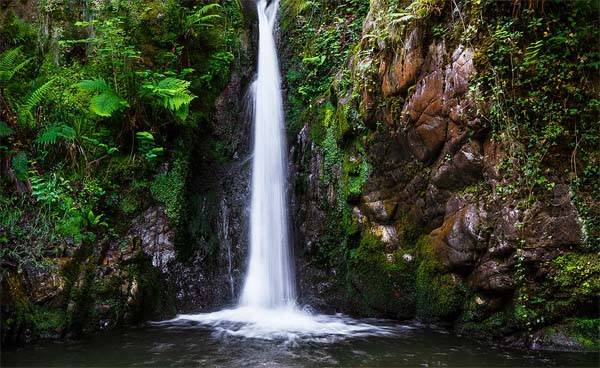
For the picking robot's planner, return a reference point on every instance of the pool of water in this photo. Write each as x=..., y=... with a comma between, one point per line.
x=199, y=345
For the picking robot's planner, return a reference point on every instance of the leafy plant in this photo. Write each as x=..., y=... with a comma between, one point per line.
x=105, y=101
x=52, y=133
x=170, y=93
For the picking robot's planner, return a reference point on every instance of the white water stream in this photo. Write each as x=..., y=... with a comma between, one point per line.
x=267, y=308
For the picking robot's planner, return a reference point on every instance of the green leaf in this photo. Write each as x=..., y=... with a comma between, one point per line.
x=19, y=165
x=145, y=136
x=5, y=130
x=106, y=104
x=52, y=133
x=93, y=85
x=170, y=93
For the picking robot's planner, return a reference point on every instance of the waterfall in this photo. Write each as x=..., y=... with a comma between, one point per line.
x=269, y=282
x=267, y=308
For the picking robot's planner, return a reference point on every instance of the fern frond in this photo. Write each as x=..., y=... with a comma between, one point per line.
x=172, y=94
x=178, y=100
x=202, y=18
x=206, y=8
x=19, y=166
x=5, y=130
x=98, y=85
x=10, y=65
x=25, y=107
x=52, y=133
x=8, y=58
x=36, y=97
x=106, y=104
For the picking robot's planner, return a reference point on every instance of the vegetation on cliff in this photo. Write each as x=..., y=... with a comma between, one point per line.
x=478, y=123
x=99, y=104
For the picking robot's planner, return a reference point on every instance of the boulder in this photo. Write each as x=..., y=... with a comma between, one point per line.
x=403, y=70
x=425, y=127
x=460, y=239
x=553, y=223
x=463, y=169
x=494, y=276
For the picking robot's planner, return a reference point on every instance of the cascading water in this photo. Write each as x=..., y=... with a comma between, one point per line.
x=269, y=282
x=267, y=307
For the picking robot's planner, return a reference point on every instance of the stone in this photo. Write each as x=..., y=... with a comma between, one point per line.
x=494, y=276
x=153, y=231
x=463, y=169
x=505, y=236
x=387, y=234
x=425, y=127
x=404, y=68
x=460, y=239
x=378, y=207
x=45, y=283
x=459, y=72
x=555, y=224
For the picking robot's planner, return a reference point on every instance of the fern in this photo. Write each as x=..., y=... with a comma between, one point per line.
x=172, y=94
x=106, y=104
x=25, y=108
x=52, y=133
x=93, y=86
x=106, y=101
x=5, y=130
x=201, y=18
x=19, y=165
x=10, y=65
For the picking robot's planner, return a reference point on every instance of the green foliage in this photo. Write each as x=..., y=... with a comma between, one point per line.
x=53, y=132
x=168, y=188
x=201, y=18
x=11, y=62
x=19, y=165
x=170, y=93
x=5, y=130
x=105, y=101
x=538, y=78
x=147, y=146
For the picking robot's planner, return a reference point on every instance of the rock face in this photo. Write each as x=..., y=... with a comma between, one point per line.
x=432, y=216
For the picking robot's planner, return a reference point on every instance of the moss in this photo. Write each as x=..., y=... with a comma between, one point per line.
x=496, y=324
x=385, y=285
x=586, y=331
x=438, y=295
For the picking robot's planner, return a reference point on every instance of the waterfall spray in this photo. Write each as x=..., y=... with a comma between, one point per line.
x=267, y=308
x=269, y=282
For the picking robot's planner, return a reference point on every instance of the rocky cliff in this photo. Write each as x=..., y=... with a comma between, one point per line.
x=420, y=190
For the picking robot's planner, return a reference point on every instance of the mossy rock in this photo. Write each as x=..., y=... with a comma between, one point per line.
x=383, y=285
x=438, y=295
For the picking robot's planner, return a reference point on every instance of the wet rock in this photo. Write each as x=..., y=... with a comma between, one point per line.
x=382, y=210
x=45, y=282
x=459, y=72
x=387, y=234
x=460, y=239
x=462, y=169
x=154, y=231
x=554, y=224
x=425, y=127
x=435, y=209
x=494, y=276
x=493, y=154
x=505, y=236
x=405, y=66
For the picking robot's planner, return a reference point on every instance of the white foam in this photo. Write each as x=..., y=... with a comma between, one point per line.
x=285, y=323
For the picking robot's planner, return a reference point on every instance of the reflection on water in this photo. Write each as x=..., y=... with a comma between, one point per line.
x=200, y=346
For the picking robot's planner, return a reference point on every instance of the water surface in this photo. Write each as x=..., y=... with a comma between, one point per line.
x=197, y=345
